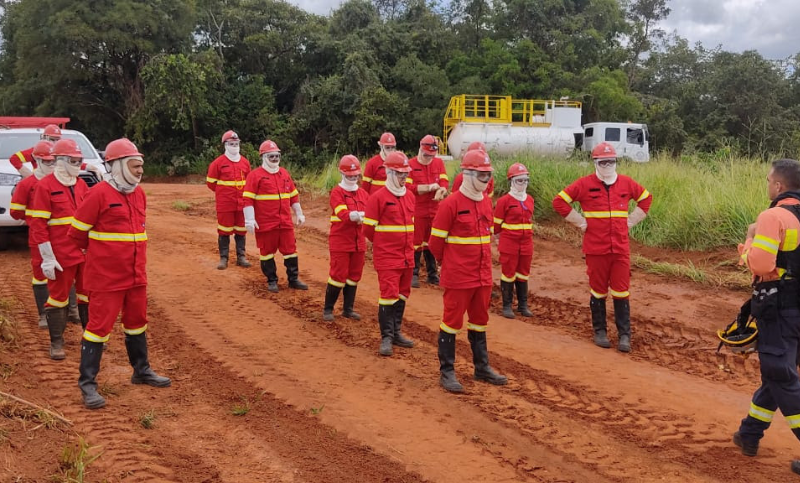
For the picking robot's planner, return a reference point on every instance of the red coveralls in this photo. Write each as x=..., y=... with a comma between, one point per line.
x=605, y=242
x=110, y=226
x=23, y=195
x=346, y=239
x=20, y=157
x=227, y=179
x=50, y=215
x=460, y=179
x=374, y=176
x=389, y=225
x=514, y=219
x=461, y=240
x=425, y=207
x=272, y=195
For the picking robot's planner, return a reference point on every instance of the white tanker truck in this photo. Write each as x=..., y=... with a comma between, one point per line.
x=510, y=126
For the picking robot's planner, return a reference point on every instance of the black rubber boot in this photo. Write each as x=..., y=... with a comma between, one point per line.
x=137, y=355
x=507, y=290
x=796, y=467
x=399, y=339
x=72, y=314
x=56, y=324
x=622, y=317
x=430, y=265
x=480, y=357
x=598, y=307
x=40, y=295
x=386, y=323
x=241, y=251
x=447, y=361
x=224, y=242
x=331, y=295
x=349, y=302
x=293, y=273
x=91, y=353
x=748, y=448
x=415, y=273
x=270, y=270
x=83, y=311
x=522, y=298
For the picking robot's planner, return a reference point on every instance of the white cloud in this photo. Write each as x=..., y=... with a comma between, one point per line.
x=320, y=7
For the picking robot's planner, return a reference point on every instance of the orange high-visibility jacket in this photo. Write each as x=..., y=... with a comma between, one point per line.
x=389, y=225
x=226, y=179
x=346, y=235
x=50, y=215
x=776, y=231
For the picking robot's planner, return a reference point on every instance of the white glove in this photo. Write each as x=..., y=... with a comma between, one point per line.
x=356, y=217
x=25, y=171
x=441, y=192
x=577, y=219
x=298, y=213
x=49, y=262
x=93, y=168
x=250, y=219
x=636, y=216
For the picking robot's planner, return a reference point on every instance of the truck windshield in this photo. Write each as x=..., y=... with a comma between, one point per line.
x=635, y=136
x=11, y=142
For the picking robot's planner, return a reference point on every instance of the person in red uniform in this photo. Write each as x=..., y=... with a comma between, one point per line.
x=50, y=214
x=21, y=159
x=460, y=176
x=389, y=225
x=513, y=225
x=23, y=195
x=226, y=178
x=461, y=240
x=604, y=198
x=270, y=196
x=110, y=226
x=374, y=173
x=346, y=239
x=429, y=184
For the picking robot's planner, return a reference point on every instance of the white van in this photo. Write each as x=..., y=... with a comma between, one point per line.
x=630, y=140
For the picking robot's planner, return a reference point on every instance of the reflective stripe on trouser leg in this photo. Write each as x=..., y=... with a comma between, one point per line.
x=229, y=222
x=609, y=273
x=472, y=301
x=36, y=266
x=281, y=240
x=394, y=285
x=780, y=389
x=104, y=307
x=60, y=287
x=346, y=267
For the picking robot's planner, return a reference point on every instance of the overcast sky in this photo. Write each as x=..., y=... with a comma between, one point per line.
x=770, y=27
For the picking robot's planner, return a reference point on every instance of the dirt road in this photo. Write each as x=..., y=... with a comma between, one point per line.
x=321, y=405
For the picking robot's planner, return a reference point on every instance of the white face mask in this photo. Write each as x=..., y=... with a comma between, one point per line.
x=42, y=169
x=232, y=152
x=518, y=190
x=348, y=184
x=122, y=177
x=607, y=174
x=66, y=173
x=271, y=166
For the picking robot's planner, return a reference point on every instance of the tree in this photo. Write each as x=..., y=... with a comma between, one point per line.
x=644, y=15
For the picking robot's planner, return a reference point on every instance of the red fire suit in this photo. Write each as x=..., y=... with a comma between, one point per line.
x=425, y=207
x=489, y=191
x=50, y=215
x=227, y=179
x=20, y=157
x=461, y=240
x=389, y=225
x=110, y=226
x=605, y=242
x=346, y=238
x=272, y=195
x=373, y=177
x=23, y=195
x=513, y=221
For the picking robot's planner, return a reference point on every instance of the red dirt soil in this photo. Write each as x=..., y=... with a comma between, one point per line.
x=324, y=407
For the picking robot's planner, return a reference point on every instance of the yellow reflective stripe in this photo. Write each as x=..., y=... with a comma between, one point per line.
x=508, y=279
x=789, y=240
x=335, y=219
x=209, y=179
x=519, y=226
x=564, y=196
x=249, y=194
x=240, y=228
x=138, y=331
x=444, y=327
x=36, y=281
x=67, y=220
x=521, y=276
x=498, y=221
x=468, y=240
x=376, y=182
x=794, y=421
x=21, y=156
x=370, y=222
x=619, y=295
x=94, y=337
x=79, y=225
x=270, y=197
x=293, y=193
x=476, y=328
x=403, y=297
x=409, y=181
x=123, y=237
x=82, y=297
x=339, y=208
x=644, y=195
x=444, y=177
x=237, y=183
x=352, y=283
x=781, y=272
x=57, y=303
x=439, y=233
x=367, y=179
x=17, y=206
x=291, y=255
x=762, y=414
x=769, y=245
x=395, y=228
x=224, y=228
x=335, y=283
x=598, y=295
x=605, y=214
x=37, y=214
x=267, y=257
x=382, y=301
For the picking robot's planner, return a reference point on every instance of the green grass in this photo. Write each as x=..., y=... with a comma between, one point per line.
x=74, y=462
x=180, y=205
x=148, y=419
x=241, y=408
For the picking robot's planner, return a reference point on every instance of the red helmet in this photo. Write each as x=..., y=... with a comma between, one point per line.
x=43, y=150
x=476, y=145
x=229, y=135
x=477, y=161
x=67, y=147
x=121, y=148
x=397, y=161
x=349, y=165
x=429, y=145
x=517, y=169
x=52, y=131
x=604, y=151
x=387, y=139
x=268, y=146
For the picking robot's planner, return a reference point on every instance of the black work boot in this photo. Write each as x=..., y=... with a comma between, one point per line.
x=447, y=361
x=293, y=272
x=83, y=311
x=40, y=295
x=522, y=298
x=91, y=353
x=331, y=295
x=137, y=355
x=748, y=448
x=507, y=290
x=349, y=302
x=270, y=270
x=480, y=358
x=73, y=315
x=622, y=316
x=56, y=323
x=224, y=242
x=386, y=323
x=399, y=339
x=796, y=467
x=430, y=264
x=415, y=273
x=241, y=251
x=598, y=307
